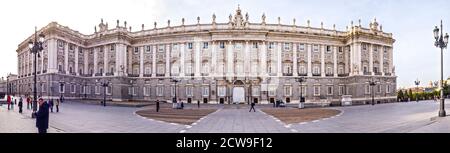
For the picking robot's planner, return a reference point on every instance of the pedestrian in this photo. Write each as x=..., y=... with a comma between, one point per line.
x=28, y=102
x=57, y=105
x=20, y=105
x=8, y=100
x=62, y=99
x=198, y=103
x=12, y=102
x=51, y=104
x=182, y=105
x=42, y=116
x=252, y=107
x=157, y=105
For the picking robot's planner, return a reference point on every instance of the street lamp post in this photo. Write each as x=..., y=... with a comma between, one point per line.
x=301, y=80
x=35, y=47
x=104, y=85
x=175, y=81
x=372, y=83
x=417, y=83
x=441, y=42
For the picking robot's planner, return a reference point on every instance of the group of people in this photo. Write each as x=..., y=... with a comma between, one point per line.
x=42, y=114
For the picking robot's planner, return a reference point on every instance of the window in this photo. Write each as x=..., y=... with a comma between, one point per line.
x=364, y=46
x=365, y=69
x=255, y=44
x=316, y=48
x=367, y=89
x=375, y=69
x=329, y=71
x=330, y=90
x=61, y=88
x=83, y=90
x=328, y=49
x=160, y=69
x=222, y=91
x=71, y=47
x=287, y=90
x=189, y=45
x=316, y=90
x=72, y=88
x=271, y=44
x=161, y=48
x=272, y=92
x=108, y=90
x=136, y=50
x=301, y=47
x=222, y=45
x=159, y=91
x=172, y=91
x=302, y=90
x=205, y=45
x=146, y=91
x=388, y=88
x=189, y=91
x=148, y=70
x=88, y=89
x=60, y=44
x=287, y=46
x=238, y=46
x=80, y=71
x=112, y=47
x=341, y=69
x=340, y=50
x=341, y=90
x=175, y=46
x=134, y=90
x=302, y=70
x=96, y=89
x=379, y=88
x=101, y=49
x=148, y=49
x=316, y=70
x=70, y=69
x=205, y=91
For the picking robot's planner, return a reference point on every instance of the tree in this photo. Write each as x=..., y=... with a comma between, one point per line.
x=400, y=95
x=410, y=95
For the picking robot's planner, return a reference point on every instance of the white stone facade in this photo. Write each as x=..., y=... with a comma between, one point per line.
x=216, y=62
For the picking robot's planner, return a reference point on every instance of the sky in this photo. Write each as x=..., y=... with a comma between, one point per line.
x=410, y=21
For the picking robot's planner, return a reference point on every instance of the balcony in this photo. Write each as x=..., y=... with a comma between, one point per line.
x=329, y=74
x=189, y=74
x=73, y=73
x=388, y=74
x=160, y=75
x=44, y=71
x=98, y=74
x=133, y=75
x=110, y=74
x=343, y=75
x=316, y=74
x=377, y=73
x=205, y=74
x=287, y=74
x=147, y=75
x=86, y=75
x=302, y=74
x=367, y=73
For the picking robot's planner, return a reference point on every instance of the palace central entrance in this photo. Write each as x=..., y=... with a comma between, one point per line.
x=238, y=95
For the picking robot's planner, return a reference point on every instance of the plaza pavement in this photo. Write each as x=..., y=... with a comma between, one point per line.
x=77, y=117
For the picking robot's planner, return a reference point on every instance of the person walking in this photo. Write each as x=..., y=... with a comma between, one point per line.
x=57, y=105
x=12, y=102
x=51, y=104
x=28, y=102
x=62, y=99
x=8, y=100
x=20, y=105
x=252, y=107
x=42, y=116
x=157, y=105
x=198, y=103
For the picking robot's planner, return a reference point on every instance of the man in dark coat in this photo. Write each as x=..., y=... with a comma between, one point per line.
x=20, y=104
x=253, y=107
x=198, y=103
x=42, y=117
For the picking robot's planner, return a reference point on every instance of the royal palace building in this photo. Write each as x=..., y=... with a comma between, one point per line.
x=236, y=61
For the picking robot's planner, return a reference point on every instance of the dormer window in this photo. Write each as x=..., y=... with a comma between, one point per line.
x=189, y=45
x=205, y=45
x=222, y=45
x=136, y=50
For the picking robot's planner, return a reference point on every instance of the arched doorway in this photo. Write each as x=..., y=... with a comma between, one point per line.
x=238, y=92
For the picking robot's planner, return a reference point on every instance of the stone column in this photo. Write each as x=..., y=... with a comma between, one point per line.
x=118, y=49
x=213, y=66
x=230, y=59
x=77, y=51
x=247, y=59
x=358, y=57
x=183, y=55
x=141, y=62
x=335, y=67
x=279, y=59
x=86, y=60
x=381, y=52
x=154, y=60
x=352, y=59
x=106, y=49
x=322, y=60
x=168, y=50
x=391, y=60
x=309, y=48
x=197, y=58
x=66, y=57
x=263, y=61
x=371, y=47
x=294, y=60
x=42, y=62
x=95, y=61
